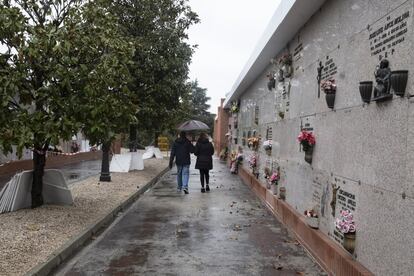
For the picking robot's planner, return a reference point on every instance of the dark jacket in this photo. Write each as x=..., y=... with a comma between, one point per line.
x=204, y=150
x=181, y=150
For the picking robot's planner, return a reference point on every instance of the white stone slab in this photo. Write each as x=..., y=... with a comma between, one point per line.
x=158, y=153
x=23, y=195
x=120, y=163
x=149, y=153
x=137, y=162
x=17, y=192
x=55, y=189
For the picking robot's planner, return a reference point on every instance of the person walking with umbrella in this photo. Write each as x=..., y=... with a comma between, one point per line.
x=180, y=151
x=204, y=151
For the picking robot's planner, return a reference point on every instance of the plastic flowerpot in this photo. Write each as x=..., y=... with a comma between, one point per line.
x=365, y=89
x=312, y=222
x=282, y=193
x=271, y=84
x=308, y=154
x=349, y=242
x=399, y=81
x=274, y=189
x=330, y=99
x=287, y=70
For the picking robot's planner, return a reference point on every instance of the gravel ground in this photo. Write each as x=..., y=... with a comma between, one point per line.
x=28, y=237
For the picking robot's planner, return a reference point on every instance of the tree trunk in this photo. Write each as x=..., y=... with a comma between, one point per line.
x=156, y=135
x=105, y=174
x=132, y=138
x=39, y=162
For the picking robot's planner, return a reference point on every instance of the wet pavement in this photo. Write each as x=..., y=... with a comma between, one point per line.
x=72, y=172
x=227, y=231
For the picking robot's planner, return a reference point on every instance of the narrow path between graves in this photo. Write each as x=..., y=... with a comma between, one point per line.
x=224, y=232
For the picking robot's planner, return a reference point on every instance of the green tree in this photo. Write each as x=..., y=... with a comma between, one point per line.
x=199, y=106
x=106, y=103
x=49, y=74
x=160, y=64
x=34, y=89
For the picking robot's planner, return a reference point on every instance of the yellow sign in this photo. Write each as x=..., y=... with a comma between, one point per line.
x=163, y=143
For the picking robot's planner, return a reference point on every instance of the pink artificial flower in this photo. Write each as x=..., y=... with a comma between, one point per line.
x=345, y=229
x=305, y=136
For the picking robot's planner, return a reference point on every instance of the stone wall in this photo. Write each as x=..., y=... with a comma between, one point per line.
x=365, y=150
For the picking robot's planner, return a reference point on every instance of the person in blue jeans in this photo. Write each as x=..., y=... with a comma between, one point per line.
x=181, y=150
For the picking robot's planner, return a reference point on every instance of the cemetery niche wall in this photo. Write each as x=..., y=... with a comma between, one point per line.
x=364, y=153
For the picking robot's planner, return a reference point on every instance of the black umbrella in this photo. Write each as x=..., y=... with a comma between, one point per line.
x=193, y=125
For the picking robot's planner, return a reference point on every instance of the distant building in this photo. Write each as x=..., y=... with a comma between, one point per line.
x=221, y=123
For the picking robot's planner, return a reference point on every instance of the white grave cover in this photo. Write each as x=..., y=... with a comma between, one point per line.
x=137, y=162
x=120, y=163
x=17, y=192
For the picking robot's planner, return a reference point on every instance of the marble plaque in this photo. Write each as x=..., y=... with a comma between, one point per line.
x=345, y=200
x=389, y=34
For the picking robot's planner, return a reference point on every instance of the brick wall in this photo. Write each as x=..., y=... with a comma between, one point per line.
x=220, y=128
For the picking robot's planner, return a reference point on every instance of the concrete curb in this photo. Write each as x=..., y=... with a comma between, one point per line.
x=73, y=245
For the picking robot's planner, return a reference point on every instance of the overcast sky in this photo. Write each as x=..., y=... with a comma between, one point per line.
x=226, y=36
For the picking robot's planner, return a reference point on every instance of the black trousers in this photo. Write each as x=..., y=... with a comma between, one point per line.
x=204, y=174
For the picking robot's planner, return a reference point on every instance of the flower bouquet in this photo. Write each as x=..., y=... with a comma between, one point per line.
x=285, y=59
x=274, y=180
x=253, y=164
x=285, y=62
x=267, y=176
x=346, y=225
x=223, y=154
x=267, y=146
x=307, y=140
x=253, y=142
x=312, y=218
x=234, y=107
x=272, y=81
x=328, y=86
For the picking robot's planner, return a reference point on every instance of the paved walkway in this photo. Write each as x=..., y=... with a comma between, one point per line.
x=225, y=232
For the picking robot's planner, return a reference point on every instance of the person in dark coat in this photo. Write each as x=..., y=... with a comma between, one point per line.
x=181, y=150
x=204, y=151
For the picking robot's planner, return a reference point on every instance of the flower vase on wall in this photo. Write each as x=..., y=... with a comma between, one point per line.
x=365, y=89
x=287, y=70
x=399, y=82
x=330, y=100
x=282, y=193
x=308, y=154
x=329, y=87
x=349, y=242
x=274, y=189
